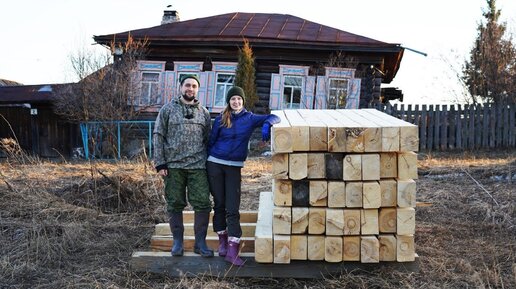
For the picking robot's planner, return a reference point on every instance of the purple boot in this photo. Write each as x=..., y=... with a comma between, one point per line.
x=232, y=255
x=223, y=244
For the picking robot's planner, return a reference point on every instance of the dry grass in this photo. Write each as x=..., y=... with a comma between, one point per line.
x=75, y=225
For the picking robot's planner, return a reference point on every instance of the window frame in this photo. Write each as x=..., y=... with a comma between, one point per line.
x=226, y=85
x=289, y=105
x=337, y=89
x=145, y=98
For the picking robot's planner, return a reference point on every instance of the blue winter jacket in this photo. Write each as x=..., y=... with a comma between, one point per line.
x=231, y=143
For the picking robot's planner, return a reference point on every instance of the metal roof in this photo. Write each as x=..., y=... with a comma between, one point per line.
x=40, y=93
x=257, y=27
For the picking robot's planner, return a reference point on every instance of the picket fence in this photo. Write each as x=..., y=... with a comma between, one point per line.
x=449, y=127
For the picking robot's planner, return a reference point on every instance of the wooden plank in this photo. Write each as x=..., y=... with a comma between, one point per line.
x=387, y=220
x=333, y=166
x=336, y=132
x=280, y=166
x=316, y=248
x=298, y=166
x=317, y=129
x=336, y=194
x=352, y=167
x=370, y=167
x=300, y=131
x=406, y=193
x=163, y=229
x=300, y=220
x=478, y=126
x=371, y=195
x=351, y=221
x=458, y=133
x=405, y=221
x=282, y=190
x=318, y=193
x=333, y=249
x=437, y=126
x=452, y=120
x=408, y=132
x=351, y=250
x=300, y=193
x=444, y=128
x=194, y=265
x=164, y=243
x=281, y=134
x=388, y=165
x=245, y=216
x=388, y=249
x=298, y=247
x=407, y=165
x=423, y=127
x=369, y=249
x=281, y=220
x=369, y=222
x=512, y=125
x=390, y=133
x=281, y=249
x=316, y=166
x=335, y=222
x=353, y=130
x=431, y=129
x=263, y=233
x=389, y=192
x=372, y=131
x=316, y=221
x=405, y=250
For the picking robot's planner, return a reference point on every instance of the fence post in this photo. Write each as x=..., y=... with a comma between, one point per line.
x=452, y=130
x=485, y=125
x=437, y=127
x=444, y=127
x=423, y=128
x=430, y=139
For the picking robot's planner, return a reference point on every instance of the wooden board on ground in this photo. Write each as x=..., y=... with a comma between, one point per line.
x=263, y=233
x=193, y=264
x=163, y=229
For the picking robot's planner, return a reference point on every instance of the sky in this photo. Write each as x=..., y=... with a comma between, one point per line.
x=38, y=36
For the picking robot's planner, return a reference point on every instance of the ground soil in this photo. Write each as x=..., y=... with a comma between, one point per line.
x=75, y=224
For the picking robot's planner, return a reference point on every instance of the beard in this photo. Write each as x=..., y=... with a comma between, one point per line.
x=187, y=97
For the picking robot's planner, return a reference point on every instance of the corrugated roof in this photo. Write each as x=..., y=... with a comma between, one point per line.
x=258, y=27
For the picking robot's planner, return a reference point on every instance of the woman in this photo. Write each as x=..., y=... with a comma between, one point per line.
x=227, y=151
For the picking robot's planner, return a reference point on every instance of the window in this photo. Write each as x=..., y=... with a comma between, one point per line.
x=338, y=91
x=292, y=92
x=224, y=83
x=149, y=93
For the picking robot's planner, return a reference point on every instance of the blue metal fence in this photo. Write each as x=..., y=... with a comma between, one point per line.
x=95, y=134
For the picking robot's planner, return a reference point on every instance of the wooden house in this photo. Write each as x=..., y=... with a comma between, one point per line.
x=296, y=60
x=27, y=116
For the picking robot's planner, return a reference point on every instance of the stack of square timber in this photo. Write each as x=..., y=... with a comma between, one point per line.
x=343, y=188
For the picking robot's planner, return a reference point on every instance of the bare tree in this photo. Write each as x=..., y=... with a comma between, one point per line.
x=490, y=73
x=106, y=90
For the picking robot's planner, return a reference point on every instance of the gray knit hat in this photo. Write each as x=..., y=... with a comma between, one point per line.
x=235, y=90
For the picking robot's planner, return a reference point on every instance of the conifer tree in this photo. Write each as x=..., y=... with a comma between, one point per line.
x=245, y=75
x=490, y=73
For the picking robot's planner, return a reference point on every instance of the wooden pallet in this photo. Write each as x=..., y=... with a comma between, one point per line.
x=193, y=264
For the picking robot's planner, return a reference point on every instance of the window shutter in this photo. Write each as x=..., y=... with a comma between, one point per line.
x=170, y=86
x=275, y=94
x=203, y=87
x=321, y=93
x=353, y=98
x=308, y=96
x=210, y=88
x=136, y=88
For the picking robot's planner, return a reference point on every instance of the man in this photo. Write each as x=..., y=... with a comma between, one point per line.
x=180, y=141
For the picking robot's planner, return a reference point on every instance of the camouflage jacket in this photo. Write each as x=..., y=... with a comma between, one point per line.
x=181, y=135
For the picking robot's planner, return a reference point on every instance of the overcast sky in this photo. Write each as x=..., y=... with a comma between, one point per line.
x=39, y=36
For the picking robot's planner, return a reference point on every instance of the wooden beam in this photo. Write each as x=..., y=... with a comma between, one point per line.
x=407, y=165
x=351, y=222
x=406, y=193
x=163, y=229
x=300, y=193
x=405, y=221
x=282, y=220
x=164, y=243
x=405, y=248
x=388, y=165
x=372, y=131
x=318, y=130
x=333, y=249
x=352, y=167
x=389, y=192
x=372, y=196
x=370, y=167
x=263, y=234
x=334, y=166
x=298, y=247
x=387, y=220
x=281, y=249
x=298, y=166
x=354, y=194
x=300, y=131
x=316, y=166
x=281, y=134
x=316, y=248
x=369, y=222
x=299, y=220
x=316, y=221
x=351, y=250
x=282, y=192
x=387, y=247
x=409, y=133
x=336, y=194
x=369, y=249
x=335, y=222
x=318, y=193
x=280, y=166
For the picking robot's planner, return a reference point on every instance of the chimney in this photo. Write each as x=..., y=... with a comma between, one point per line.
x=170, y=16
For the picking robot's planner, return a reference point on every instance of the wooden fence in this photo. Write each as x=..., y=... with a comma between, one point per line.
x=447, y=127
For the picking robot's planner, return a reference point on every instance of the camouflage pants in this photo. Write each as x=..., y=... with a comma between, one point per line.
x=181, y=184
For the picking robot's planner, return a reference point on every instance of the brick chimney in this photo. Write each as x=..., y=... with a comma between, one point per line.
x=170, y=16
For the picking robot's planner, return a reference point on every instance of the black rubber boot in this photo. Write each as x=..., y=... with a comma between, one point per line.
x=177, y=228
x=201, y=220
